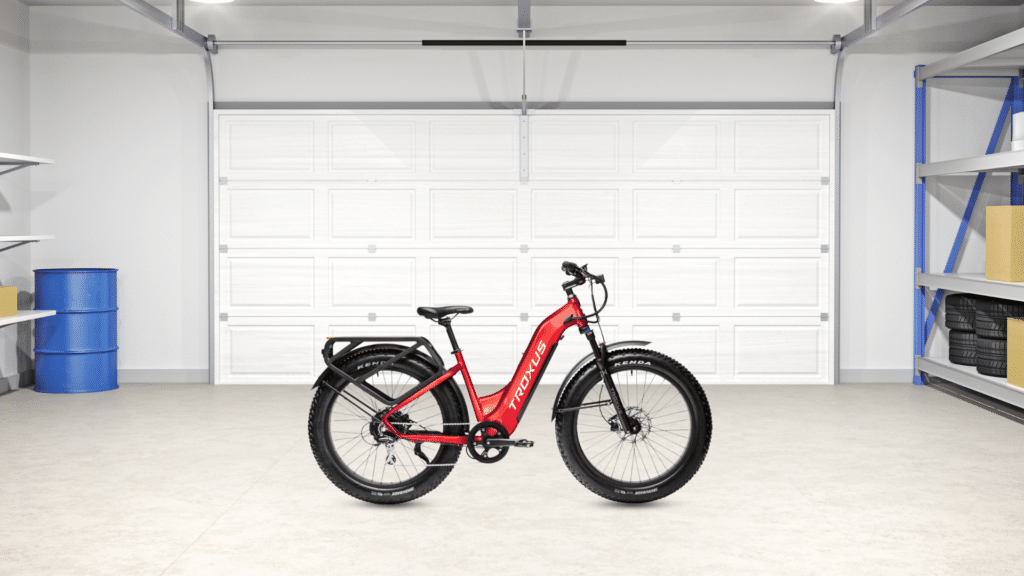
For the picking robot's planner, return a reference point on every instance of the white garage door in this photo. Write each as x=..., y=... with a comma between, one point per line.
x=712, y=228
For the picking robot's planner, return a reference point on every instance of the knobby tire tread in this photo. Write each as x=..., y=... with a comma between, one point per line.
x=589, y=482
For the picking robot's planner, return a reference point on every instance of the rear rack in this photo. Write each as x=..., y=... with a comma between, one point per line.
x=355, y=341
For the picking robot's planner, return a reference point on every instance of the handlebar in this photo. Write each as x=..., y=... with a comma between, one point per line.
x=580, y=275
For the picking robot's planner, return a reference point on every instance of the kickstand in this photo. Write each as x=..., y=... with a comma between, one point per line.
x=419, y=452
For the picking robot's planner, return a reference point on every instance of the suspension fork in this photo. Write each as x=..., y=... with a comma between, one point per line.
x=601, y=358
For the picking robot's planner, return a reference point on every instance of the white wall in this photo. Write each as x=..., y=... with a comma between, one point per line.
x=120, y=103
x=15, y=197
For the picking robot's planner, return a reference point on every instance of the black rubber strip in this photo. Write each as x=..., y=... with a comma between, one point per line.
x=484, y=43
x=994, y=406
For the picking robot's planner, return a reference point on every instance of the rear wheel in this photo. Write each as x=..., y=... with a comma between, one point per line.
x=360, y=455
x=670, y=443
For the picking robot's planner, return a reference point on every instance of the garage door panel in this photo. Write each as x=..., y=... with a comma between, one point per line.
x=270, y=214
x=474, y=146
x=779, y=146
x=779, y=352
x=473, y=214
x=271, y=351
x=579, y=146
x=479, y=281
x=572, y=214
x=676, y=146
x=779, y=214
x=378, y=147
x=491, y=351
x=678, y=282
x=778, y=282
x=372, y=214
x=546, y=278
x=261, y=146
x=675, y=214
x=258, y=282
x=696, y=346
x=372, y=282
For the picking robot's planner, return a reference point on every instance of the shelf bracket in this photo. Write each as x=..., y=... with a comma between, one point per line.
x=16, y=244
x=9, y=170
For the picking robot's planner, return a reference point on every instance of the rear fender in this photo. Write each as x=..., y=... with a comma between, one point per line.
x=583, y=362
x=416, y=356
x=344, y=360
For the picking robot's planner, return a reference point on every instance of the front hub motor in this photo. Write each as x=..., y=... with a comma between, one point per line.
x=639, y=425
x=477, y=446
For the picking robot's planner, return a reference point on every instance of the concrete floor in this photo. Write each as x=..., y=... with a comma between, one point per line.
x=191, y=479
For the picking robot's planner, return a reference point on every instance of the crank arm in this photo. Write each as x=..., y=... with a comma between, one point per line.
x=503, y=442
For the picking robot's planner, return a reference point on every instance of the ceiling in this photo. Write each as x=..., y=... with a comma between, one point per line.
x=535, y=2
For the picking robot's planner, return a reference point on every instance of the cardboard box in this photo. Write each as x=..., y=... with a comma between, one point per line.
x=1015, y=351
x=1004, y=243
x=8, y=301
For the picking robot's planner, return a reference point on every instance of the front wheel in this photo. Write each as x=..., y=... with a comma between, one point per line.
x=673, y=436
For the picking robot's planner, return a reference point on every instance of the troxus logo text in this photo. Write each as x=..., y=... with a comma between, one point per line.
x=524, y=382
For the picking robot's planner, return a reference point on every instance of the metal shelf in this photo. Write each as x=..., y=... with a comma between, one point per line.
x=25, y=316
x=1006, y=161
x=974, y=55
x=16, y=241
x=972, y=284
x=20, y=162
x=968, y=377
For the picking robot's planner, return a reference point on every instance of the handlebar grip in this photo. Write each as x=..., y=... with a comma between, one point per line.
x=570, y=268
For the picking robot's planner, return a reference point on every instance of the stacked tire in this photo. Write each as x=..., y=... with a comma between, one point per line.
x=977, y=331
x=990, y=329
x=960, y=316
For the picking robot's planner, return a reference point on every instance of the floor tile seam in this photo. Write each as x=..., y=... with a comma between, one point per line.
x=230, y=506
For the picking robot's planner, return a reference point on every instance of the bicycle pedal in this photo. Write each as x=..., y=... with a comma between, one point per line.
x=523, y=444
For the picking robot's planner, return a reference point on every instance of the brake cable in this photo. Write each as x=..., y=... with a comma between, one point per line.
x=597, y=311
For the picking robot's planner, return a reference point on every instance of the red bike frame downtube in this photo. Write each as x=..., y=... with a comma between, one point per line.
x=505, y=406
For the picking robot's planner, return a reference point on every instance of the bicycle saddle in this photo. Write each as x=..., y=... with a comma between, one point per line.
x=441, y=311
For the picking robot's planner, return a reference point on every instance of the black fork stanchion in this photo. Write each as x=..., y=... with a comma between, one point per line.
x=601, y=358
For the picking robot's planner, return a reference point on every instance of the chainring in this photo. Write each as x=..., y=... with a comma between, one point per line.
x=476, y=448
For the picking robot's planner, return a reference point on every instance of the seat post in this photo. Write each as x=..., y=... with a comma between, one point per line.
x=447, y=323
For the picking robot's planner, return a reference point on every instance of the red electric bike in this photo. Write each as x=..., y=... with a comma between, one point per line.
x=388, y=423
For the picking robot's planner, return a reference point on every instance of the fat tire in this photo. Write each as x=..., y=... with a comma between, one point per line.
x=449, y=399
x=693, y=457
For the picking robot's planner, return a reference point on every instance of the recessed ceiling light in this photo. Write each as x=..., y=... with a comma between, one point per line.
x=822, y=1
x=213, y=1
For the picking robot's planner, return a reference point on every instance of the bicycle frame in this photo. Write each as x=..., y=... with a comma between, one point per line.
x=506, y=406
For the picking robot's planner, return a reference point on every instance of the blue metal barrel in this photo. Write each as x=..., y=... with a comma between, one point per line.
x=76, y=349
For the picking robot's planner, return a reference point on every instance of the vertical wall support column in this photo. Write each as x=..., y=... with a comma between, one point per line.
x=1017, y=105
x=920, y=157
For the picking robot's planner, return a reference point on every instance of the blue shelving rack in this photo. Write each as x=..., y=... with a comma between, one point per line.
x=965, y=65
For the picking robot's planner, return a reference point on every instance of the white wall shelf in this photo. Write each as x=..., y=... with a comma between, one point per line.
x=15, y=241
x=25, y=316
x=972, y=284
x=1005, y=161
x=20, y=162
x=968, y=377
